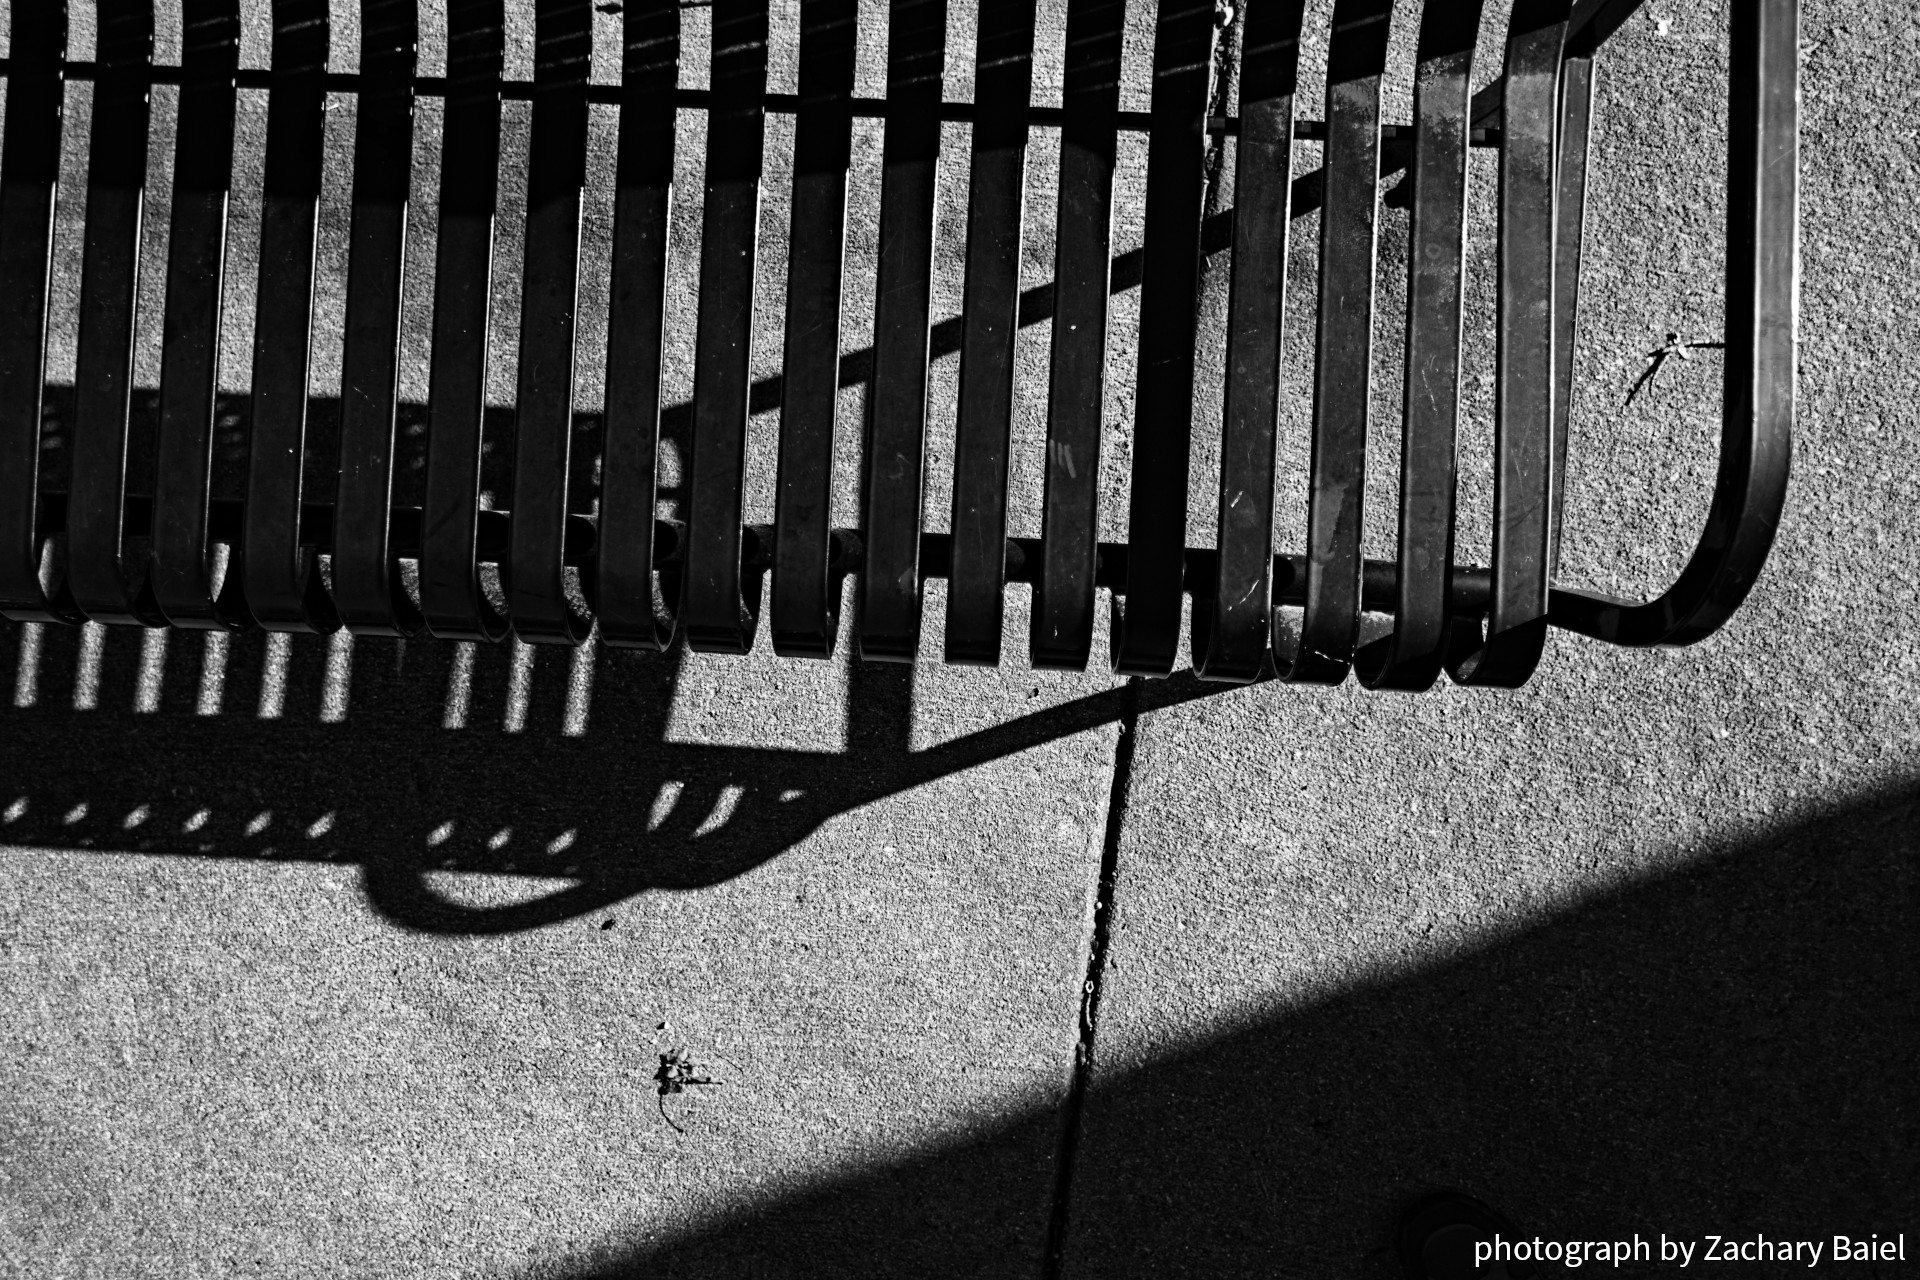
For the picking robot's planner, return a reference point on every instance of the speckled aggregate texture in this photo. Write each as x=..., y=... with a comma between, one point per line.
x=1630, y=950
x=330, y=958
x=326, y=958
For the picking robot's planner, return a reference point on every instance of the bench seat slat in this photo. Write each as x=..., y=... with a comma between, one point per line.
x=182, y=576
x=537, y=601
x=715, y=613
x=103, y=588
x=451, y=594
x=1147, y=627
x=1063, y=592
x=889, y=617
x=804, y=611
x=1343, y=355
x=29, y=174
x=284, y=591
x=1232, y=615
x=1412, y=655
x=625, y=595
x=996, y=195
x=1576, y=112
x=367, y=589
x=1523, y=476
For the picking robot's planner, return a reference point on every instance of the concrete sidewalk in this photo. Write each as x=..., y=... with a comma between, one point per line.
x=1631, y=950
x=331, y=958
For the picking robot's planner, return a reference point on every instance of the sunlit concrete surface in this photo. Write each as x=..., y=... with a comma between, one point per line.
x=327, y=956
x=1631, y=950
x=368, y=966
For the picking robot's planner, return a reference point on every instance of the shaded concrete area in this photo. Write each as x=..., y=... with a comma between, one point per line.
x=1700, y=1049
x=325, y=958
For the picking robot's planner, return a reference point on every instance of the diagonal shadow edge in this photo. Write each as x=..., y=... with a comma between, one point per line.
x=1729, y=1046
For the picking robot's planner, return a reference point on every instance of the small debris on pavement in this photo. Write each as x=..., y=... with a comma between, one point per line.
x=677, y=1073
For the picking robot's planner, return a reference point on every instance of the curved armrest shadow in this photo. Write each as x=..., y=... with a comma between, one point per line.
x=613, y=810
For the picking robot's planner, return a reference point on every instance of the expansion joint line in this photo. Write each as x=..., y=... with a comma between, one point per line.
x=1225, y=67
x=1089, y=1023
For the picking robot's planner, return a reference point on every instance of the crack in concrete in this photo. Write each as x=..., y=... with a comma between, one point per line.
x=1225, y=68
x=1054, y=1257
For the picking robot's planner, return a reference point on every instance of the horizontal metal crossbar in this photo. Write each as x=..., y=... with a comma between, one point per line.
x=568, y=543
x=776, y=103
x=1023, y=556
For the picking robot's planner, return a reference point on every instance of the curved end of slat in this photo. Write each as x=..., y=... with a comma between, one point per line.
x=634, y=610
x=888, y=648
x=1232, y=646
x=482, y=625
x=546, y=619
x=976, y=613
x=967, y=652
x=1298, y=665
x=720, y=597
x=1389, y=663
x=389, y=611
x=889, y=612
x=728, y=640
x=295, y=601
x=1060, y=635
x=818, y=645
x=1149, y=652
x=33, y=587
x=1504, y=659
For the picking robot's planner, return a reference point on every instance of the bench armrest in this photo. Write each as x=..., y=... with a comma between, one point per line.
x=1762, y=343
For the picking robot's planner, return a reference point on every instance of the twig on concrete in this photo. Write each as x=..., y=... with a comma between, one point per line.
x=677, y=1073
x=1657, y=359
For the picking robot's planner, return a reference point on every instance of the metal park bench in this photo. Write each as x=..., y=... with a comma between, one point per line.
x=136, y=530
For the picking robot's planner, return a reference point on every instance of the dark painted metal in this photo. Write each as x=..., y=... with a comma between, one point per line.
x=631, y=561
x=535, y=578
x=630, y=599
x=804, y=613
x=1576, y=114
x=1232, y=615
x=105, y=588
x=29, y=176
x=281, y=577
x=1063, y=592
x=182, y=575
x=1146, y=623
x=996, y=196
x=1336, y=485
x=718, y=606
x=1756, y=445
x=451, y=594
x=367, y=586
x=1591, y=23
x=1515, y=632
x=1413, y=654
x=889, y=613
x=791, y=103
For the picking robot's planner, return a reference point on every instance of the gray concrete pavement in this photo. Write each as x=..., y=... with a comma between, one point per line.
x=362, y=959
x=325, y=959
x=1629, y=950
x=362, y=993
